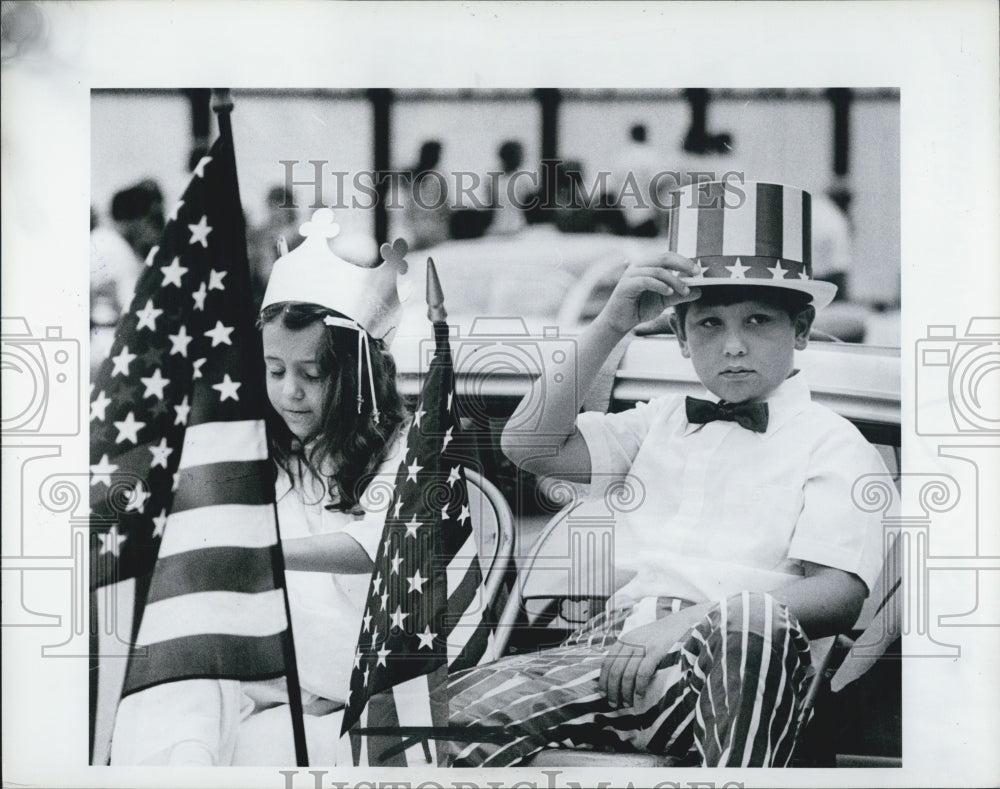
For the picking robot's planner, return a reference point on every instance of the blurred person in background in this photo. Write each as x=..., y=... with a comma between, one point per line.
x=578, y=209
x=426, y=215
x=511, y=193
x=281, y=220
x=635, y=169
x=832, y=260
x=118, y=250
x=831, y=244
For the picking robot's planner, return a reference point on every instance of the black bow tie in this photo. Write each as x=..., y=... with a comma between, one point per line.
x=752, y=416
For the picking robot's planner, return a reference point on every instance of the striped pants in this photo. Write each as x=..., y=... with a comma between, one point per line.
x=732, y=688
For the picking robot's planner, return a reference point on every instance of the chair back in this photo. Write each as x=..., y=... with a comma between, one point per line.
x=493, y=532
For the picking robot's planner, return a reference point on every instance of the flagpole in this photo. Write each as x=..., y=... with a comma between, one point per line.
x=222, y=105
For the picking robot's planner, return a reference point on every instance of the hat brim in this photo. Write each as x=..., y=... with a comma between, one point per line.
x=822, y=293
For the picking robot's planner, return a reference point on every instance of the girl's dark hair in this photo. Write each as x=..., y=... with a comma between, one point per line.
x=791, y=301
x=349, y=442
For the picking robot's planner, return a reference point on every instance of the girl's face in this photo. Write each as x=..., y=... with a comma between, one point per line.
x=294, y=384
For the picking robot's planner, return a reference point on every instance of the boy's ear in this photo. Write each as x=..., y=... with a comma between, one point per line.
x=803, y=324
x=678, y=328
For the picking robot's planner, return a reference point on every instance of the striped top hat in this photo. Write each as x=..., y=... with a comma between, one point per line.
x=747, y=233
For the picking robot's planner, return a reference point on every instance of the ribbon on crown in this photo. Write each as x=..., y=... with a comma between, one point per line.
x=364, y=355
x=369, y=299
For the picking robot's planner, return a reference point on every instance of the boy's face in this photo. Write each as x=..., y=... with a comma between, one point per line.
x=742, y=351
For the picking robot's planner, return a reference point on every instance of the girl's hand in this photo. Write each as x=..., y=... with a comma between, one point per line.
x=647, y=289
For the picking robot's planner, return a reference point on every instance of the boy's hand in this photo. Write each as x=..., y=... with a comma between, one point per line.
x=648, y=288
x=632, y=662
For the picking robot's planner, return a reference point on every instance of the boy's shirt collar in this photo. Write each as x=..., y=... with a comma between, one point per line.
x=790, y=398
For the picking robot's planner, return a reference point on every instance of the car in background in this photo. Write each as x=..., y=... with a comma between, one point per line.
x=542, y=276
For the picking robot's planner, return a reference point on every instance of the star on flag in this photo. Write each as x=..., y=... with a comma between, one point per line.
x=200, y=231
x=199, y=169
x=172, y=274
x=227, y=389
x=147, y=316
x=179, y=342
x=220, y=334
x=215, y=280
x=99, y=406
x=128, y=429
x=111, y=540
x=122, y=362
x=199, y=297
x=102, y=471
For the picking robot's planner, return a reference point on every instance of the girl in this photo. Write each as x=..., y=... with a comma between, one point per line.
x=336, y=434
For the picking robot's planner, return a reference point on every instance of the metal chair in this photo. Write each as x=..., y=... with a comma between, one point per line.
x=493, y=527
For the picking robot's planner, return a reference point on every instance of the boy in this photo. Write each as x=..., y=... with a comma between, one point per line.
x=747, y=542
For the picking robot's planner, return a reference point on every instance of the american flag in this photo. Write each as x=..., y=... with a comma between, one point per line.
x=182, y=492
x=425, y=614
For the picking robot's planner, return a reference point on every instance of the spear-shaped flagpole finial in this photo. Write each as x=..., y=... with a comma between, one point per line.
x=222, y=100
x=435, y=296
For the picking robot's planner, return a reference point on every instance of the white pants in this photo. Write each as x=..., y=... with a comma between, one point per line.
x=205, y=722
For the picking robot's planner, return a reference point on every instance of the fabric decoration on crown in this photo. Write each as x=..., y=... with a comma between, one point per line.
x=367, y=300
x=747, y=233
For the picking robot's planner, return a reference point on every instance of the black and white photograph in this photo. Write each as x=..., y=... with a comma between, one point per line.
x=437, y=409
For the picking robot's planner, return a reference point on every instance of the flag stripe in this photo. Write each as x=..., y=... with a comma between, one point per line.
x=223, y=483
x=207, y=656
x=382, y=712
x=226, y=613
x=739, y=233
x=791, y=221
x=476, y=650
x=236, y=525
x=769, y=220
x=710, y=219
x=687, y=225
x=459, y=565
x=219, y=442
x=807, y=231
x=242, y=570
x=413, y=708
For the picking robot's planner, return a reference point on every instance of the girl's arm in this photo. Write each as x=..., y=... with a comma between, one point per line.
x=327, y=553
x=554, y=446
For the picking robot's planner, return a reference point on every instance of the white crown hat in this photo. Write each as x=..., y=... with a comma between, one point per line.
x=313, y=274
x=747, y=233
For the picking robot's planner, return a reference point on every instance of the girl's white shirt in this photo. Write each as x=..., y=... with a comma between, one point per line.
x=326, y=607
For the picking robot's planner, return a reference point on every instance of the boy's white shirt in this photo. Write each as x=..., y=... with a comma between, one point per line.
x=723, y=509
